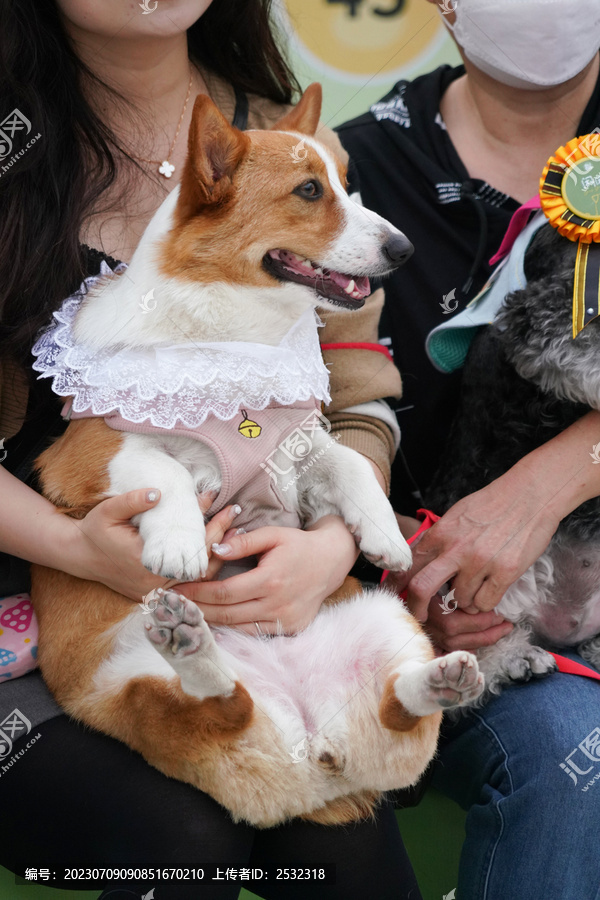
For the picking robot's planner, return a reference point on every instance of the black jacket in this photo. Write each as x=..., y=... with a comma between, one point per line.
x=410, y=173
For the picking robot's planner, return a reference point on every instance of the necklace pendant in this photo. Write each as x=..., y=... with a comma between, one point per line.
x=166, y=168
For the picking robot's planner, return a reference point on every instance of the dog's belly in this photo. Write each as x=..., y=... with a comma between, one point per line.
x=568, y=624
x=566, y=608
x=335, y=656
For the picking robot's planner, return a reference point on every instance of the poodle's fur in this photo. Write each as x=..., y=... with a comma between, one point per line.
x=525, y=380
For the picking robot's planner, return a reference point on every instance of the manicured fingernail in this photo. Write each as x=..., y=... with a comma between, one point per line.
x=241, y=531
x=236, y=510
x=221, y=549
x=151, y=496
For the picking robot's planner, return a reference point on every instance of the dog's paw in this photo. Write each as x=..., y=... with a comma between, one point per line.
x=454, y=680
x=177, y=625
x=176, y=553
x=532, y=663
x=387, y=551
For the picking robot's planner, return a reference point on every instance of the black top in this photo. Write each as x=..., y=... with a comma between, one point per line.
x=410, y=173
x=43, y=422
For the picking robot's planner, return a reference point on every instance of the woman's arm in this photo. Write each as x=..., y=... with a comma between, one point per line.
x=487, y=540
x=360, y=375
x=104, y=546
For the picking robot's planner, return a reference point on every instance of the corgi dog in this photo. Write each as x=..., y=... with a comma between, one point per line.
x=210, y=384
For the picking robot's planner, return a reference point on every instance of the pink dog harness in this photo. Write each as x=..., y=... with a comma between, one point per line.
x=245, y=447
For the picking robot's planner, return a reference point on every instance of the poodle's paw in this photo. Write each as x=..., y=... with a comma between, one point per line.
x=533, y=662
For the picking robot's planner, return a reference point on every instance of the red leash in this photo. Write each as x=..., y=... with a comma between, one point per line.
x=565, y=665
x=428, y=519
x=570, y=667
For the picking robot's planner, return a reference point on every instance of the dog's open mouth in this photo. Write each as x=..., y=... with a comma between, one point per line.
x=344, y=290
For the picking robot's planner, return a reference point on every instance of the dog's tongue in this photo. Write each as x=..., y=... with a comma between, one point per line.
x=302, y=266
x=361, y=284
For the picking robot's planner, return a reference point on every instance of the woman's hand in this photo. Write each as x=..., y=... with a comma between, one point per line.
x=106, y=547
x=459, y=630
x=490, y=538
x=483, y=544
x=455, y=630
x=296, y=571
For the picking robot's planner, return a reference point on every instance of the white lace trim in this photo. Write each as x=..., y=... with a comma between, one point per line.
x=180, y=384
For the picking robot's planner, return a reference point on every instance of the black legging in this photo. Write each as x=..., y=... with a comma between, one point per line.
x=79, y=798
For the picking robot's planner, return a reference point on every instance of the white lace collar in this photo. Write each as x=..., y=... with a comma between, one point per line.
x=180, y=384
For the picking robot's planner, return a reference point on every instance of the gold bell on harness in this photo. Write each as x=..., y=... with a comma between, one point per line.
x=248, y=428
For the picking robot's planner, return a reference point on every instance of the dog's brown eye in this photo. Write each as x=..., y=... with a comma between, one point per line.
x=310, y=190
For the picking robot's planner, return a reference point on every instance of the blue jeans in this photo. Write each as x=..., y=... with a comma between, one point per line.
x=533, y=826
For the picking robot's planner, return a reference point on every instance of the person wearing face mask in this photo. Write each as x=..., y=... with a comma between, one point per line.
x=448, y=158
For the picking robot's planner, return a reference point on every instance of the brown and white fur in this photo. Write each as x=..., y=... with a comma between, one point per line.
x=311, y=725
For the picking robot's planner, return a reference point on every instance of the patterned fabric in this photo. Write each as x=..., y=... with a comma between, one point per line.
x=18, y=636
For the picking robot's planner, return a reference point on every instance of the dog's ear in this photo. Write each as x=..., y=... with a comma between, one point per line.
x=304, y=117
x=215, y=150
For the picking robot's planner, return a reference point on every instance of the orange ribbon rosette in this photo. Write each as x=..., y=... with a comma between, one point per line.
x=570, y=198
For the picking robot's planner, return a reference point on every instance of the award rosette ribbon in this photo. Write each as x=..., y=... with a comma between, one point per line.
x=570, y=198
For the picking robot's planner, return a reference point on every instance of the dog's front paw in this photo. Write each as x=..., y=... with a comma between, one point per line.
x=454, y=680
x=533, y=662
x=176, y=553
x=383, y=549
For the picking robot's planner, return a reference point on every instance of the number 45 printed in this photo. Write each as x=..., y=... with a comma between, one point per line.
x=353, y=5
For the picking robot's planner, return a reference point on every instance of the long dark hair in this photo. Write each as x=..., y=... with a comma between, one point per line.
x=47, y=192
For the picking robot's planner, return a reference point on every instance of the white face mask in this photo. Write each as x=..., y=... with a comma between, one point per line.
x=528, y=43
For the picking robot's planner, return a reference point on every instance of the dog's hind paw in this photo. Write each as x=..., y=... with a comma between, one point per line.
x=182, y=637
x=177, y=625
x=454, y=680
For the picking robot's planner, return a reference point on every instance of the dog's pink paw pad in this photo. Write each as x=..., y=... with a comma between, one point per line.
x=455, y=679
x=186, y=639
x=177, y=624
x=157, y=635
